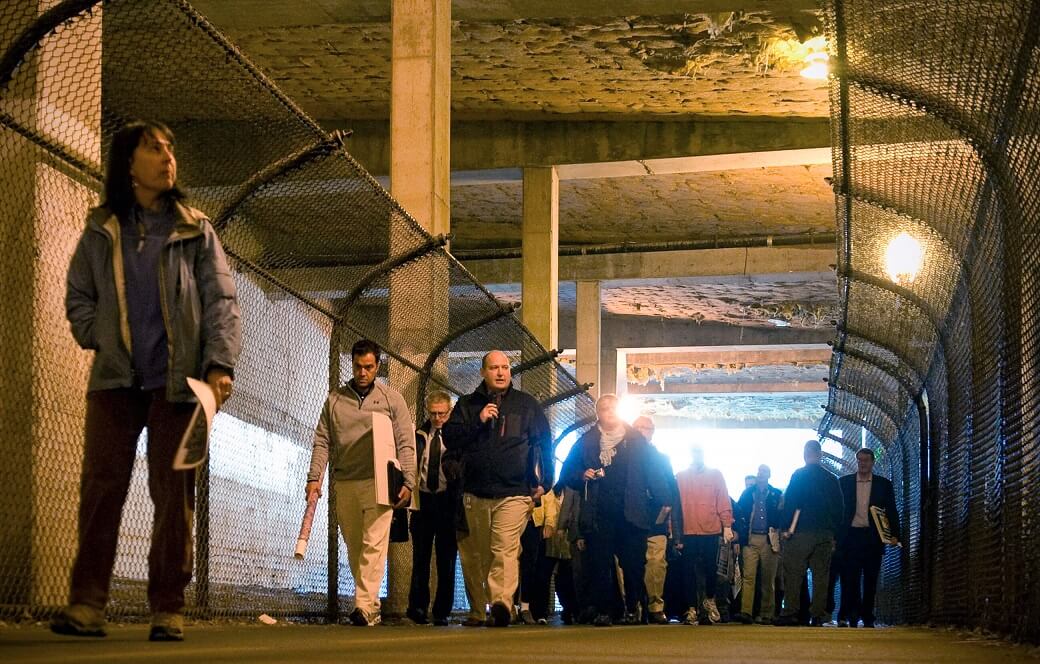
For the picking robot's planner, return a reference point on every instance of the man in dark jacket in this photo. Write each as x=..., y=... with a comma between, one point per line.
x=661, y=533
x=505, y=445
x=613, y=468
x=758, y=525
x=812, y=514
x=859, y=541
x=433, y=523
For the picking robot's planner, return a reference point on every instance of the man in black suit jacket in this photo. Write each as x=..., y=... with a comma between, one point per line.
x=433, y=524
x=860, y=542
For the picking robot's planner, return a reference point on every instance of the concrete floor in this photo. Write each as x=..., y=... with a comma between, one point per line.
x=523, y=645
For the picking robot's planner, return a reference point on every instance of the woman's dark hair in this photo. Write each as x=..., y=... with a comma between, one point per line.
x=119, y=188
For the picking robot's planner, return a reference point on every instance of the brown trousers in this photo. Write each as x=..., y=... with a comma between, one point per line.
x=115, y=419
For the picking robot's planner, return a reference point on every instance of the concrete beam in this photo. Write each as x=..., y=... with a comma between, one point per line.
x=235, y=15
x=728, y=388
x=508, y=143
x=748, y=355
x=668, y=264
x=701, y=164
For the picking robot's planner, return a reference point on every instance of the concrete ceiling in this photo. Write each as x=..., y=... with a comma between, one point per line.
x=604, y=86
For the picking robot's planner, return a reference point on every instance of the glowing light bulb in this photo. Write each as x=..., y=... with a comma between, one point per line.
x=816, y=66
x=903, y=259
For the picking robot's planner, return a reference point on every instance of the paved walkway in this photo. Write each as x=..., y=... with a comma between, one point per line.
x=523, y=645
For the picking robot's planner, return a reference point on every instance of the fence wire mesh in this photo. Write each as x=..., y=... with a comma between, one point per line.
x=935, y=134
x=322, y=256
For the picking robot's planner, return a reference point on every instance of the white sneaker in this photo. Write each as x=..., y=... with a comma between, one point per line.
x=713, y=611
x=691, y=616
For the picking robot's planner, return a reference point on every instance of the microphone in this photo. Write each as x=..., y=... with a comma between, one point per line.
x=497, y=400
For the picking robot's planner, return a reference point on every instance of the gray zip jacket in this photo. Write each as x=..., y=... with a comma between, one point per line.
x=345, y=428
x=197, y=294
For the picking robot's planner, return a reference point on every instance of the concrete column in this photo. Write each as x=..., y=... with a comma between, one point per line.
x=587, y=336
x=420, y=106
x=43, y=373
x=541, y=240
x=420, y=110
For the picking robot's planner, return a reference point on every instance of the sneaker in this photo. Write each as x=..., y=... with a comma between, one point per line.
x=440, y=622
x=527, y=618
x=744, y=618
x=658, y=618
x=691, y=617
x=603, y=620
x=358, y=618
x=543, y=621
x=712, y=610
x=80, y=620
x=843, y=623
x=167, y=627
x=500, y=615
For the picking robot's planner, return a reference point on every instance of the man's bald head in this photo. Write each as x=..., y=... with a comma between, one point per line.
x=496, y=371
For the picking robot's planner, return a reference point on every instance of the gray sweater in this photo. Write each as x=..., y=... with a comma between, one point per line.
x=345, y=426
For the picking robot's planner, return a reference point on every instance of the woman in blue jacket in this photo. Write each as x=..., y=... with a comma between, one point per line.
x=150, y=292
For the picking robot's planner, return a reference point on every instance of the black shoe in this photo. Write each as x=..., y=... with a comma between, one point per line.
x=602, y=620
x=786, y=621
x=658, y=618
x=501, y=615
x=630, y=618
x=526, y=617
x=744, y=618
x=567, y=618
x=869, y=624
x=417, y=616
x=817, y=622
x=440, y=622
x=471, y=621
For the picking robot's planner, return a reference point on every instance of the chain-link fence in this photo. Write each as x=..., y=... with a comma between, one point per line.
x=322, y=256
x=935, y=123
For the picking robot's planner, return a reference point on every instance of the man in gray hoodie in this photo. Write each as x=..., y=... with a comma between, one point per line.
x=345, y=431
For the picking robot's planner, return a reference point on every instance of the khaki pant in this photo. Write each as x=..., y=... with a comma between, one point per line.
x=811, y=549
x=656, y=569
x=756, y=551
x=490, y=552
x=366, y=530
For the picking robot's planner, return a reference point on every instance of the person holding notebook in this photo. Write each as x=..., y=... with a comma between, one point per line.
x=345, y=432
x=859, y=543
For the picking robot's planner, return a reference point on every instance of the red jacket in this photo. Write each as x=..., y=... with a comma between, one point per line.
x=706, y=508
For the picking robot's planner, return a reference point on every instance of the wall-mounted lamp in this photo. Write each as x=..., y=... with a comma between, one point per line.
x=903, y=259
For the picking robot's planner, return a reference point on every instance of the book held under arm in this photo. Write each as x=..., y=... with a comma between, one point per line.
x=880, y=519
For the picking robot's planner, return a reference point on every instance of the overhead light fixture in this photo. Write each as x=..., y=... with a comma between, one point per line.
x=903, y=259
